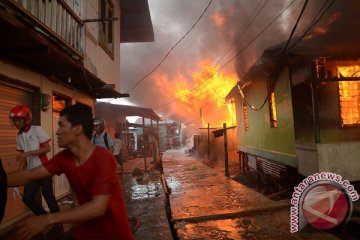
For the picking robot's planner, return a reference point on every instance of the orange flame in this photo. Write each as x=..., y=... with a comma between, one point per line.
x=218, y=19
x=349, y=95
x=208, y=95
x=324, y=27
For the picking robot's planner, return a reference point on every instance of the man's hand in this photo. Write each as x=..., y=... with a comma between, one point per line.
x=22, y=157
x=32, y=227
x=22, y=165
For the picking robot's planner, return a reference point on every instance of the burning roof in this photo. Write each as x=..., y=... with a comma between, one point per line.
x=337, y=37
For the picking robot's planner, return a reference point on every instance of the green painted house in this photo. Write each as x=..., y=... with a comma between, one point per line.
x=299, y=110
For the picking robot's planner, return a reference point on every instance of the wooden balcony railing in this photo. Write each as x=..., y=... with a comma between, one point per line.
x=57, y=18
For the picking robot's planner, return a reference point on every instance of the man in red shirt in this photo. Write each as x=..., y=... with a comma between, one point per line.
x=91, y=171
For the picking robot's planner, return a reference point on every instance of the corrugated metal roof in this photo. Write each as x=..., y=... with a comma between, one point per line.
x=126, y=110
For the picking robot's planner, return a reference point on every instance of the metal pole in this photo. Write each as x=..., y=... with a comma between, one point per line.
x=145, y=153
x=314, y=99
x=226, y=152
x=208, y=133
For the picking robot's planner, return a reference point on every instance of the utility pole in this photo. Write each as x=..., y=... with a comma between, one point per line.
x=145, y=142
x=208, y=135
x=208, y=138
x=226, y=151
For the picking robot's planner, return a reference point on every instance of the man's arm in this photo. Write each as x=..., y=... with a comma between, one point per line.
x=44, y=148
x=111, y=149
x=26, y=176
x=110, y=143
x=35, y=225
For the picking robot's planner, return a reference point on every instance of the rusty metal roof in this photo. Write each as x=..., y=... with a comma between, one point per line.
x=136, y=24
x=125, y=110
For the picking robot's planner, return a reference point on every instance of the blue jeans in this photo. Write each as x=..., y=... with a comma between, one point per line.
x=29, y=196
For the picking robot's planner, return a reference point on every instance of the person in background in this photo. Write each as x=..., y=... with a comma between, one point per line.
x=101, y=137
x=33, y=143
x=117, y=150
x=91, y=171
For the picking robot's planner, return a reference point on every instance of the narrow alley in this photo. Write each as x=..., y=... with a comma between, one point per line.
x=201, y=203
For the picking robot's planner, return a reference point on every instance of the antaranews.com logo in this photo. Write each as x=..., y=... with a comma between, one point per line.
x=323, y=200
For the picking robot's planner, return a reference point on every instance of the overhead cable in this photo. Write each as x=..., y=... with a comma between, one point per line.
x=168, y=53
x=231, y=59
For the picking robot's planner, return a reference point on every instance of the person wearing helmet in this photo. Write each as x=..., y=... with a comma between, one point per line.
x=91, y=171
x=101, y=137
x=33, y=143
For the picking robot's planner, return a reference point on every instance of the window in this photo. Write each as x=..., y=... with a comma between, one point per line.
x=272, y=105
x=106, y=33
x=349, y=94
x=246, y=116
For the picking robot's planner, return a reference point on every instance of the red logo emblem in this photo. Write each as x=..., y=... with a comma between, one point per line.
x=325, y=206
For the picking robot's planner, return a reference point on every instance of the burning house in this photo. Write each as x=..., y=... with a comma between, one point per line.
x=298, y=110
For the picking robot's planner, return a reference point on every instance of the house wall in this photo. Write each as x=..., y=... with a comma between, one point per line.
x=21, y=77
x=96, y=60
x=303, y=113
x=46, y=86
x=261, y=139
x=338, y=147
x=329, y=116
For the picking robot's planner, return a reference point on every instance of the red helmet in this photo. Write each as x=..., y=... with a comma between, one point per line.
x=21, y=112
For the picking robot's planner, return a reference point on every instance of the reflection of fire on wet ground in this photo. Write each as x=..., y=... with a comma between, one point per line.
x=255, y=226
x=139, y=184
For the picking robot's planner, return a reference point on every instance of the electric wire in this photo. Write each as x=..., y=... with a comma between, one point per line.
x=315, y=20
x=283, y=52
x=231, y=59
x=294, y=28
x=282, y=55
x=252, y=19
x=168, y=53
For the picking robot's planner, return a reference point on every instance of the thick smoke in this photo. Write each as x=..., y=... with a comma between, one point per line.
x=215, y=35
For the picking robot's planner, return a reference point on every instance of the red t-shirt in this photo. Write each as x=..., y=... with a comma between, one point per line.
x=97, y=176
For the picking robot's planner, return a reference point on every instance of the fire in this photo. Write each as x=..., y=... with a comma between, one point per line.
x=324, y=27
x=349, y=92
x=208, y=95
x=218, y=19
x=349, y=71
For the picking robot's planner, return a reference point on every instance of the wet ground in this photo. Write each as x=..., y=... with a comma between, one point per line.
x=207, y=205
x=146, y=200
x=193, y=201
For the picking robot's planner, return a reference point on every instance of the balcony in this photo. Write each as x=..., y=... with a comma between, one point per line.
x=55, y=19
x=47, y=37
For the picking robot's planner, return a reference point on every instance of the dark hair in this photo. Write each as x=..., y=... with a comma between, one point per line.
x=80, y=114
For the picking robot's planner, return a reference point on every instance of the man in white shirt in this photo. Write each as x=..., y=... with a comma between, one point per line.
x=101, y=137
x=33, y=143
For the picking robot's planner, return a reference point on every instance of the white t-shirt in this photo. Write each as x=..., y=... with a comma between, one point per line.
x=31, y=140
x=117, y=146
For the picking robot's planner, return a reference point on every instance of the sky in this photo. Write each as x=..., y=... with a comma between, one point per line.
x=228, y=37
